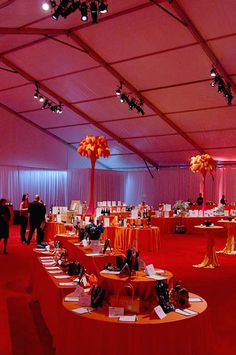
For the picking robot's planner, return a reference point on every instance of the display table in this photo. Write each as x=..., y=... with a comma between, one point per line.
x=144, y=287
x=95, y=333
x=231, y=232
x=53, y=228
x=166, y=224
x=210, y=260
x=191, y=222
x=47, y=290
x=144, y=239
x=93, y=262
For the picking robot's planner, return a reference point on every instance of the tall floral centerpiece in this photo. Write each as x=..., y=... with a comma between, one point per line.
x=202, y=164
x=93, y=147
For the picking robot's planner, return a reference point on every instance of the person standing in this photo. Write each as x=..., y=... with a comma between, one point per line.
x=223, y=201
x=36, y=212
x=24, y=205
x=4, y=223
x=200, y=200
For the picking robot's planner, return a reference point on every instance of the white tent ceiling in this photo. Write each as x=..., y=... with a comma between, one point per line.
x=163, y=57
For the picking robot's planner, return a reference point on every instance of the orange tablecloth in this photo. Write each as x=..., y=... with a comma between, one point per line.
x=190, y=222
x=231, y=233
x=95, y=333
x=46, y=290
x=53, y=228
x=210, y=259
x=93, y=263
x=145, y=239
x=143, y=286
x=166, y=224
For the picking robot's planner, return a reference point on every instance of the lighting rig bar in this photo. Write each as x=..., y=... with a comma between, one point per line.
x=222, y=86
x=131, y=101
x=46, y=102
x=66, y=7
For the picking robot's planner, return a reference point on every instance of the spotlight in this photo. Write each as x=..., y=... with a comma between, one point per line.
x=84, y=11
x=41, y=98
x=102, y=7
x=44, y=104
x=36, y=94
x=122, y=98
x=72, y=8
x=118, y=90
x=48, y=5
x=213, y=72
x=60, y=9
x=45, y=6
x=94, y=11
x=59, y=108
x=132, y=104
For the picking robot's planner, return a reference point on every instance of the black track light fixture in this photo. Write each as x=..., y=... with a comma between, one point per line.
x=223, y=88
x=60, y=9
x=46, y=102
x=72, y=8
x=131, y=101
x=64, y=8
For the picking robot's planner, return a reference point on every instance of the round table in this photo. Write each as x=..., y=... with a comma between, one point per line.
x=96, y=333
x=144, y=287
x=230, y=242
x=210, y=259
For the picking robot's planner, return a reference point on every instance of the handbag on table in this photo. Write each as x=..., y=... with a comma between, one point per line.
x=126, y=299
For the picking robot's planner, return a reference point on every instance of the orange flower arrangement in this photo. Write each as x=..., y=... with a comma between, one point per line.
x=202, y=163
x=93, y=147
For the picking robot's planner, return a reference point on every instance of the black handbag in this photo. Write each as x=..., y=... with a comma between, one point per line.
x=98, y=294
x=74, y=268
x=161, y=289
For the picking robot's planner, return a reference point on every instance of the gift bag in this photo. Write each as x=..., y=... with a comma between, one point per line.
x=125, y=298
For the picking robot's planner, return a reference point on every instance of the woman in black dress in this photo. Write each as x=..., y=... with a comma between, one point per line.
x=4, y=223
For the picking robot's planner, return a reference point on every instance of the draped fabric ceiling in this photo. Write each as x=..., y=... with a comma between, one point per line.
x=162, y=51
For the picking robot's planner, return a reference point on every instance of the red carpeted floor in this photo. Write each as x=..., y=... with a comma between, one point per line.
x=23, y=330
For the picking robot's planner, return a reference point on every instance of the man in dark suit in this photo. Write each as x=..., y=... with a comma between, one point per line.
x=36, y=212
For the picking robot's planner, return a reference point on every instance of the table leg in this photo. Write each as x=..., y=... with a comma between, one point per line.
x=210, y=260
x=229, y=246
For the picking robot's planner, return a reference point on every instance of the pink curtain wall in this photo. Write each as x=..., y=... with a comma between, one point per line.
x=168, y=185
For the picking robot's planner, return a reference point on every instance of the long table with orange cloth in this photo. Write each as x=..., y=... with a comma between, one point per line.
x=93, y=262
x=95, y=333
x=167, y=225
x=47, y=290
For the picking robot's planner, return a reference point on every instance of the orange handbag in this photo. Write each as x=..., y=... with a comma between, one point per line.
x=125, y=298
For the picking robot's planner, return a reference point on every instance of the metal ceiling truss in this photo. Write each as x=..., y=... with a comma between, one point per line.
x=48, y=33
